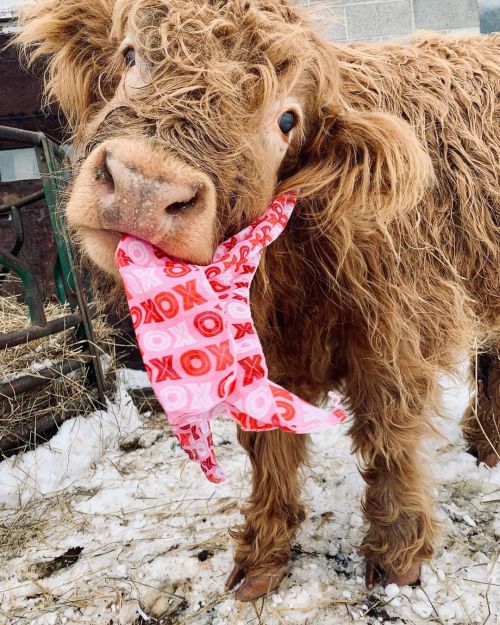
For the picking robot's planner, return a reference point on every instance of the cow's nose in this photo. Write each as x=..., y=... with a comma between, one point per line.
x=132, y=202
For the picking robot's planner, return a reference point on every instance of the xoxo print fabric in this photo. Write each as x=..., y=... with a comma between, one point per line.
x=199, y=344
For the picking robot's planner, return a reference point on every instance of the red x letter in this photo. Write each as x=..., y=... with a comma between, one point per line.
x=153, y=315
x=223, y=356
x=277, y=391
x=164, y=369
x=184, y=439
x=189, y=294
x=242, y=329
x=122, y=260
x=136, y=315
x=253, y=369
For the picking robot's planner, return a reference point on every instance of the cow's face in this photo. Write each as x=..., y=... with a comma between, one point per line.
x=210, y=107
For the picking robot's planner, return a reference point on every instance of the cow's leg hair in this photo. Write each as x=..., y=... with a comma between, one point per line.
x=481, y=421
x=273, y=512
x=387, y=430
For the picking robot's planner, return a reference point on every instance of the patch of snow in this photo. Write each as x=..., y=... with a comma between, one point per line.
x=132, y=378
x=391, y=590
x=153, y=532
x=78, y=445
x=422, y=609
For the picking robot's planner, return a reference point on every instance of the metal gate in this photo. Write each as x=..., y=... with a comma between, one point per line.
x=50, y=159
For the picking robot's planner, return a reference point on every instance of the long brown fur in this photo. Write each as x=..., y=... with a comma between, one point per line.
x=389, y=270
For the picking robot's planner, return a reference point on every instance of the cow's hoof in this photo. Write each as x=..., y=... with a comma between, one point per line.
x=490, y=457
x=375, y=575
x=490, y=460
x=235, y=577
x=254, y=586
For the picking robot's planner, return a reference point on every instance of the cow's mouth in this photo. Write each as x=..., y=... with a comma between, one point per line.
x=100, y=246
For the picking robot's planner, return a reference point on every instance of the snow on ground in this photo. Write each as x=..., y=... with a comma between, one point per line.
x=94, y=534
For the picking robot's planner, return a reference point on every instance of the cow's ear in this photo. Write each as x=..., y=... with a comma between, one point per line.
x=366, y=166
x=72, y=38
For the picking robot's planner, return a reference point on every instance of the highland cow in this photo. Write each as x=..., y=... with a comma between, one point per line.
x=189, y=116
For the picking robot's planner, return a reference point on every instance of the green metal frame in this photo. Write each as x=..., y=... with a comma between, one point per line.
x=54, y=177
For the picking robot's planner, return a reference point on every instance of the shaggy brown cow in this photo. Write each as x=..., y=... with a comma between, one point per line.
x=188, y=116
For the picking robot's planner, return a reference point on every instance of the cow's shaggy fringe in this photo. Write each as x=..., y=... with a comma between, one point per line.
x=389, y=270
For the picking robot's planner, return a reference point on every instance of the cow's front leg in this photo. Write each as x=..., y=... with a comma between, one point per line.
x=389, y=423
x=273, y=512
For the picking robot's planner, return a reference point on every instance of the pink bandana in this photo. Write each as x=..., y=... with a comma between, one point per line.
x=199, y=344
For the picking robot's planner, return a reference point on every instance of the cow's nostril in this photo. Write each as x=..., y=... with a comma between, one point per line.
x=179, y=207
x=104, y=177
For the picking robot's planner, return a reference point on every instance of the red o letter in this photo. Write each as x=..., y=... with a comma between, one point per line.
x=195, y=362
x=175, y=270
x=168, y=304
x=209, y=323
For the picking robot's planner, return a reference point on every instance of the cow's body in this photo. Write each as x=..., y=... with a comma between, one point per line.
x=389, y=269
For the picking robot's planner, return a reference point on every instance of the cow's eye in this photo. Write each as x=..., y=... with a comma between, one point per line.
x=287, y=121
x=129, y=56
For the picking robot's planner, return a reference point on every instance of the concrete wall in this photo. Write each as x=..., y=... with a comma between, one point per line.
x=371, y=20
x=379, y=20
x=489, y=12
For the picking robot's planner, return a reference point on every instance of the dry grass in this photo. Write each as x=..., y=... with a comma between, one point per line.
x=67, y=395
x=32, y=521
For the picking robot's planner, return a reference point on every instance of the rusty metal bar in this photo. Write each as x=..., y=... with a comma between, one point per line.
x=18, y=386
x=27, y=432
x=24, y=335
x=35, y=139
x=28, y=199
x=15, y=134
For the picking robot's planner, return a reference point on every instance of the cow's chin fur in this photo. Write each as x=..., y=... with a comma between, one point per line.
x=100, y=247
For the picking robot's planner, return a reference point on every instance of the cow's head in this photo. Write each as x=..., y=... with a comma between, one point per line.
x=188, y=116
